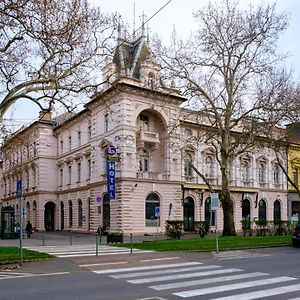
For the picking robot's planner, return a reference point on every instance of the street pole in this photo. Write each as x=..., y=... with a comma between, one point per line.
x=21, y=231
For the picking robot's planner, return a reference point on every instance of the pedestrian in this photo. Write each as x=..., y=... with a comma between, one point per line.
x=28, y=229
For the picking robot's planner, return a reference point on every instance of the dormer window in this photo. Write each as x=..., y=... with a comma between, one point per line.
x=151, y=81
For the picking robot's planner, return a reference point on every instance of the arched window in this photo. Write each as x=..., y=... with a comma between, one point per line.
x=79, y=213
x=70, y=214
x=262, y=211
x=246, y=213
x=209, y=215
x=277, y=211
x=276, y=174
x=152, y=201
x=188, y=170
x=144, y=161
x=209, y=167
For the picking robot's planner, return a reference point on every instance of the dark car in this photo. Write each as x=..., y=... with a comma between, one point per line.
x=296, y=235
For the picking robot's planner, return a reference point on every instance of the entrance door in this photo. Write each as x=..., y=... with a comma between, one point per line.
x=62, y=216
x=188, y=214
x=106, y=211
x=49, y=216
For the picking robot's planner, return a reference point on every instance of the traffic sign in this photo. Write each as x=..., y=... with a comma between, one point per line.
x=157, y=211
x=98, y=199
x=214, y=201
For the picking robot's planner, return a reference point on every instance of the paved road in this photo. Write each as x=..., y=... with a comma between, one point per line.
x=233, y=275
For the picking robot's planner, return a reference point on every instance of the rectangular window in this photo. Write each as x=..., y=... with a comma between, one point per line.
x=295, y=176
x=61, y=147
x=105, y=122
x=79, y=138
x=89, y=132
x=70, y=143
x=79, y=172
x=69, y=174
x=34, y=149
x=61, y=177
x=89, y=169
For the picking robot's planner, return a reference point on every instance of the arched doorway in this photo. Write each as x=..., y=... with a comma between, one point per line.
x=34, y=215
x=188, y=214
x=49, y=216
x=106, y=211
x=277, y=211
x=62, y=216
x=262, y=211
x=27, y=212
x=246, y=213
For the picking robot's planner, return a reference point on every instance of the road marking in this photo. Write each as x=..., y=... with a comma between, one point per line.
x=130, y=275
x=33, y=275
x=264, y=293
x=104, y=264
x=231, y=287
x=147, y=268
x=205, y=281
x=182, y=276
x=157, y=259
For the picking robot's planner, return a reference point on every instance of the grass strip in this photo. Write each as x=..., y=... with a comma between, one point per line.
x=209, y=243
x=9, y=255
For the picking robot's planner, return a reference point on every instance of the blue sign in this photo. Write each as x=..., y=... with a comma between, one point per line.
x=19, y=187
x=111, y=150
x=111, y=179
x=157, y=211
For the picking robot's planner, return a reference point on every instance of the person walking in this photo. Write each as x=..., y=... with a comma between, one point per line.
x=28, y=229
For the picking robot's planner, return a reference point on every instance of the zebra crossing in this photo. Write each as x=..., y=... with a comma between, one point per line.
x=215, y=282
x=69, y=251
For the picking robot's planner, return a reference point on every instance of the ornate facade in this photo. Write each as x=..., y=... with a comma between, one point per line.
x=63, y=163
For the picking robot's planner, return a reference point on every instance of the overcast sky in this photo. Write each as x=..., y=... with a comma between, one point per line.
x=178, y=13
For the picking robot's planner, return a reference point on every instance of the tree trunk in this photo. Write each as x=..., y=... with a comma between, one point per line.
x=228, y=213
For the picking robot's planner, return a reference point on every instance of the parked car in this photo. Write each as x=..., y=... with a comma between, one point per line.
x=296, y=235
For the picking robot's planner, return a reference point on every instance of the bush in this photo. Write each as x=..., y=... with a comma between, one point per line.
x=174, y=229
x=201, y=228
x=114, y=237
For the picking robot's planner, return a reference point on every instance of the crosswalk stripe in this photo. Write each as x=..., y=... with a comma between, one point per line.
x=100, y=254
x=146, y=268
x=223, y=288
x=264, y=293
x=182, y=276
x=205, y=281
x=131, y=275
x=68, y=251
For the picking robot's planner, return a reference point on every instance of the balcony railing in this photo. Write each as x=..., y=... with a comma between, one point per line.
x=147, y=136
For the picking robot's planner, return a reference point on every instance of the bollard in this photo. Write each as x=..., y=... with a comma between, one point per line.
x=71, y=237
x=43, y=238
x=131, y=242
x=97, y=243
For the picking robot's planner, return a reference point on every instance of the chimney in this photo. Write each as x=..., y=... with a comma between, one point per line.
x=45, y=115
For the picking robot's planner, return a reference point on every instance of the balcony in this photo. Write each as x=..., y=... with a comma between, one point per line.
x=147, y=137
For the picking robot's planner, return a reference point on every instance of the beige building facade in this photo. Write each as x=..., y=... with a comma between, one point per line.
x=63, y=164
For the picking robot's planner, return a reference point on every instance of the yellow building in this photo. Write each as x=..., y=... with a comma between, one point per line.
x=293, y=171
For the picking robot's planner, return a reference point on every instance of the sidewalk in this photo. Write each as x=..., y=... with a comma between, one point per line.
x=72, y=238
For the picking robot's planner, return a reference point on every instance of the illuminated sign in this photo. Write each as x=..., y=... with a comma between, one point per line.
x=111, y=179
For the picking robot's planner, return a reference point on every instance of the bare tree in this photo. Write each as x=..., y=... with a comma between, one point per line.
x=222, y=69
x=51, y=51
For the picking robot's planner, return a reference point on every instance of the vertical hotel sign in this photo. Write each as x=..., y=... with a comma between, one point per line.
x=111, y=172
